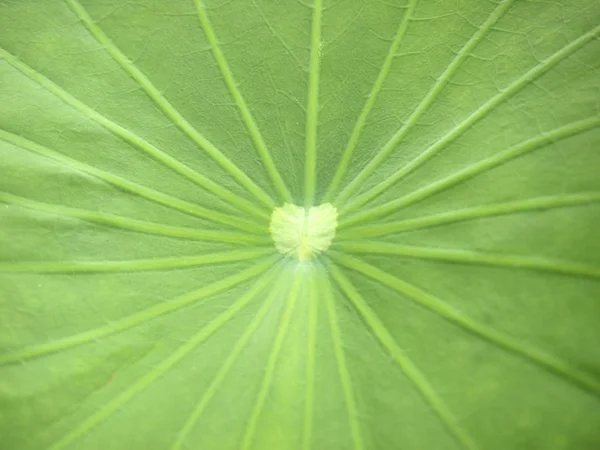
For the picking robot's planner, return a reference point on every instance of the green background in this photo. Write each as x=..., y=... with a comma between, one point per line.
x=143, y=147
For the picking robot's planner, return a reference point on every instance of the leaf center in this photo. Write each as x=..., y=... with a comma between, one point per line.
x=303, y=233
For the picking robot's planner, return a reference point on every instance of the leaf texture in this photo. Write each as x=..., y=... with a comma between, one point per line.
x=144, y=147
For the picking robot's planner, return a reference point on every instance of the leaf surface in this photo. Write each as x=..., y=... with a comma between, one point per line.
x=144, y=146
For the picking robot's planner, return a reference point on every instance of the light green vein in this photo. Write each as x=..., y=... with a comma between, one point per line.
x=168, y=363
x=340, y=358
x=134, y=188
x=475, y=117
x=140, y=226
x=136, y=265
x=473, y=170
x=133, y=139
x=167, y=108
x=272, y=362
x=251, y=125
x=477, y=212
x=408, y=367
x=311, y=344
x=372, y=97
x=312, y=109
x=468, y=257
x=429, y=98
x=536, y=356
x=138, y=318
x=239, y=346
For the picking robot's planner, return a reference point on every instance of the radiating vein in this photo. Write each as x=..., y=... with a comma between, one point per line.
x=429, y=98
x=135, y=188
x=165, y=365
x=340, y=358
x=135, y=265
x=312, y=109
x=138, y=318
x=476, y=212
x=473, y=170
x=140, y=226
x=502, y=340
x=251, y=125
x=371, y=98
x=476, y=258
x=168, y=109
x=237, y=349
x=272, y=362
x=133, y=139
x=311, y=344
x=502, y=96
x=408, y=367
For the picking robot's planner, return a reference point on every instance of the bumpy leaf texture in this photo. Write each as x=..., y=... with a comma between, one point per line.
x=144, y=146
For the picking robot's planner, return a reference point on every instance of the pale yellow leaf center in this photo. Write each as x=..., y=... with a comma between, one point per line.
x=303, y=233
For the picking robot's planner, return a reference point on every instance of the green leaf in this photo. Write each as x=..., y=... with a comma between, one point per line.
x=284, y=225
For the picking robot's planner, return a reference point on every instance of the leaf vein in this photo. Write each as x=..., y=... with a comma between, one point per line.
x=139, y=226
x=476, y=169
x=312, y=109
x=340, y=358
x=167, y=364
x=239, y=346
x=136, y=319
x=544, y=360
x=483, y=211
x=429, y=98
x=136, y=265
x=133, y=139
x=404, y=362
x=135, y=188
x=271, y=364
x=166, y=107
x=311, y=343
x=247, y=117
x=469, y=257
x=368, y=106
